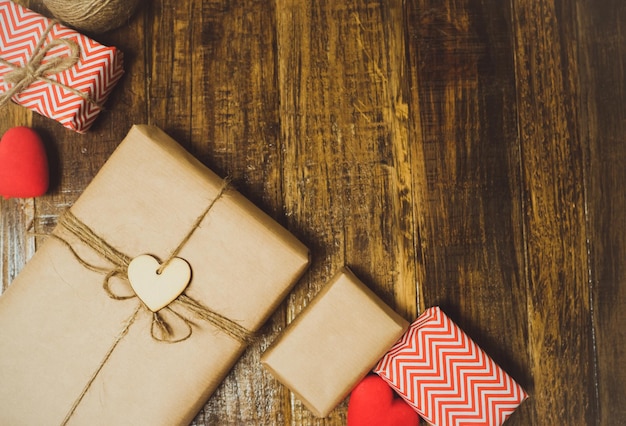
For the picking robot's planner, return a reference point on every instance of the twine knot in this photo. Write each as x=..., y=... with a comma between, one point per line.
x=27, y=74
x=21, y=77
x=161, y=328
x=35, y=68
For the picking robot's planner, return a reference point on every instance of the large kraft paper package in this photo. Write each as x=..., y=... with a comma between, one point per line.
x=76, y=346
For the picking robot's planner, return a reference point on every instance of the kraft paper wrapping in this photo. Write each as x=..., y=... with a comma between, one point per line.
x=333, y=343
x=57, y=323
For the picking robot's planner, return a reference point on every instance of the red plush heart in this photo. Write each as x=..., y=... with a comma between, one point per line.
x=23, y=164
x=374, y=403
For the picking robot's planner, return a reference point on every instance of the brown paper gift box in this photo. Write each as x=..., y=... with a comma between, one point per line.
x=333, y=343
x=57, y=323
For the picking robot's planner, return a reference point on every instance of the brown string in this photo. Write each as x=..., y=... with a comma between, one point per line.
x=121, y=261
x=195, y=225
x=106, y=284
x=160, y=326
x=228, y=326
x=35, y=69
x=86, y=235
x=165, y=329
x=118, y=339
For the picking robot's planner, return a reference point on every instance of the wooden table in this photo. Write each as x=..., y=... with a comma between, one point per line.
x=465, y=154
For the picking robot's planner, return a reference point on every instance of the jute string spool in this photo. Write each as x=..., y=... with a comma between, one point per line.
x=93, y=16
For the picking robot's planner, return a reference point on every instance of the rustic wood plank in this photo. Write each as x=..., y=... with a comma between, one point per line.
x=346, y=156
x=382, y=42
x=603, y=124
x=16, y=247
x=467, y=178
x=560, y=343
x=16, y=215
x=213, y=88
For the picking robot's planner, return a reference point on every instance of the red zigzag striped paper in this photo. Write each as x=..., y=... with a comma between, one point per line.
x=446, y=377
x=95, y=74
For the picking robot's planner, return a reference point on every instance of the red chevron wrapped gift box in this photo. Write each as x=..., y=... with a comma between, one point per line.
x=54, y=70
x=446, y=377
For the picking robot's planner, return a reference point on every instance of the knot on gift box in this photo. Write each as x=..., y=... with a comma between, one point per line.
x=176, y=310
x=161, y=330
x=39, y=67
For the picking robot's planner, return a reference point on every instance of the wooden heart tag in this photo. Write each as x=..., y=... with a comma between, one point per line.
x=156, y=290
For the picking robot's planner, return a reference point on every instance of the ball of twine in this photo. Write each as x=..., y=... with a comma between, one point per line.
x=92, y=16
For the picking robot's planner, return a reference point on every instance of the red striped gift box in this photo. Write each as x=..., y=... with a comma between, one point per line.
x=446, y=377
x=37, y=69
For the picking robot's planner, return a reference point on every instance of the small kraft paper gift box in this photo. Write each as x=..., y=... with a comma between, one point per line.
x=54, y=70
x=141, y=300
x=333, y=343
x=446, y=377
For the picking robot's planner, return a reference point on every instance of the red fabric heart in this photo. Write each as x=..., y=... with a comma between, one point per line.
x=374, y=403
x=23, y=164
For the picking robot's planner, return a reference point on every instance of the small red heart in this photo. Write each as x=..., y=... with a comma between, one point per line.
x=374, y=403
x=23, y=164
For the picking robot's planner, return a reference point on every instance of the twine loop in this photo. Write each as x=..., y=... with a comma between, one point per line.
x=36, y=69
x=161, y=328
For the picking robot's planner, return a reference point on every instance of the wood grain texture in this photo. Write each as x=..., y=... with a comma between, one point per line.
x=554, y=184
x=467, y=174
x=602, y=94
x=16, y=216
x=456, y=153
x=346, y=157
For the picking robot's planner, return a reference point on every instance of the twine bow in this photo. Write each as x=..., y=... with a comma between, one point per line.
x=161, y=329
x=20, y=78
